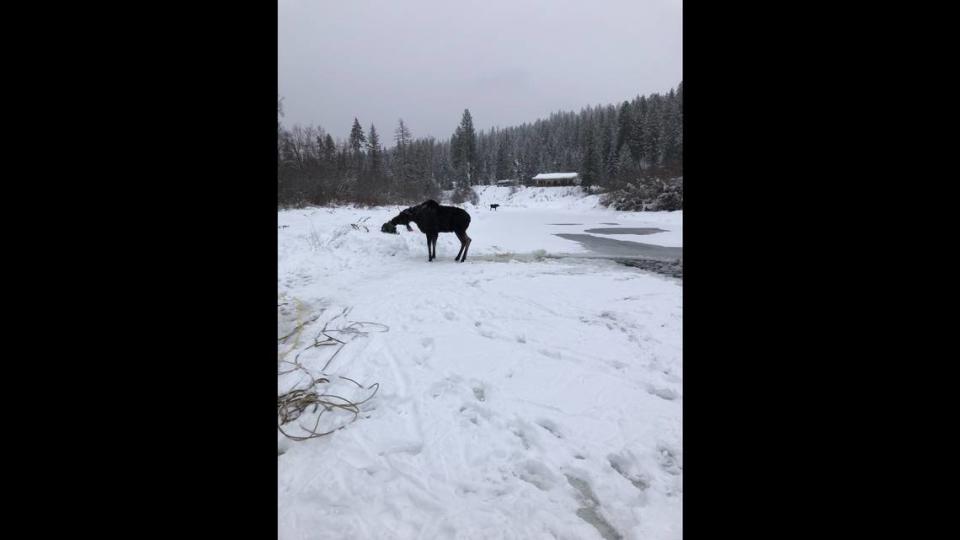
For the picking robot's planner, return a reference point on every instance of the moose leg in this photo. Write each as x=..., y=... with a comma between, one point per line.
x=433, y=246
x=429, y=255
x=465, y=248
x=462, y=236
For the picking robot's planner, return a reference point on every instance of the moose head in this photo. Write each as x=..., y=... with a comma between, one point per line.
x=403, y=218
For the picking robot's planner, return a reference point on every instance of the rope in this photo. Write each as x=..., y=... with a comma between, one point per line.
x=294, y=403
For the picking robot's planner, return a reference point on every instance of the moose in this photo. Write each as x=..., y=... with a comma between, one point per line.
x=432, y=218
x=494, y=206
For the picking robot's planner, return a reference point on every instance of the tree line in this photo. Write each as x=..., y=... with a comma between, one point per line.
x=609, y=146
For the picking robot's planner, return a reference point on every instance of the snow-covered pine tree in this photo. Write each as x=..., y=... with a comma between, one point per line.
x=590, y=169
x=503, y=161
x=375, y=153
x=464, y=146
x=357, y=138
x=357, y=142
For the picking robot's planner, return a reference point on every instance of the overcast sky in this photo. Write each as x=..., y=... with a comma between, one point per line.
x=508, y=61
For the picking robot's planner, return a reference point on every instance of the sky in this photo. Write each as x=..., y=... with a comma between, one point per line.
x=507, y=61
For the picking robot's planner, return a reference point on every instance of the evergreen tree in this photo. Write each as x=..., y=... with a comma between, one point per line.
x=606, y=151
x=636, y=140
x=589, y=170
x=464, y=146
x=357, y=139
x=342, y=162
x=402, y=136
x=408, y=165
x=627, y=169
x=374, y=153
x=503, y=169
x=612, y=158
x=624, y=125
x=357, y=142
x=651, y=131
x=670, y=129
x=329, y=149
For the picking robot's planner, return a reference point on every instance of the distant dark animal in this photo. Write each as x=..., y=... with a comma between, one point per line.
x=494, y=206
x=432, y=219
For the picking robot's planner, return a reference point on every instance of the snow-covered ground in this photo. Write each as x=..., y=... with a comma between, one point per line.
x=519, y=396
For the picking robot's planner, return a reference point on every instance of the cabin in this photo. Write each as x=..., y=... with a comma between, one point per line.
x=556, y=179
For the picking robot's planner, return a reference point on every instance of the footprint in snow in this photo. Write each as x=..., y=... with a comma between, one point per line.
x=662, y=393
x=550, y=426
x=626, y=466
x=480, y=393
x=669, y=459
x=536, y=473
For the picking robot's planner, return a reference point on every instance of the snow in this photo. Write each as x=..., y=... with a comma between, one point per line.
x=520, y=395
x=555, y=176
